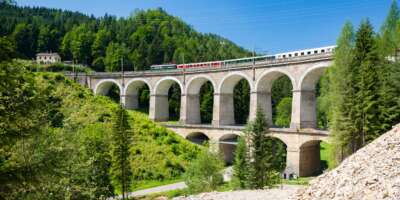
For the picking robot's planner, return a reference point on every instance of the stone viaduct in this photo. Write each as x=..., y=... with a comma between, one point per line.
x=302, y=139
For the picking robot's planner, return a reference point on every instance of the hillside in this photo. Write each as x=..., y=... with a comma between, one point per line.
x=60, y=134
x=158, y=153
x=146, y=37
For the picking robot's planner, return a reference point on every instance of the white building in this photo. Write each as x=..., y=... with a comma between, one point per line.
x=47, y=58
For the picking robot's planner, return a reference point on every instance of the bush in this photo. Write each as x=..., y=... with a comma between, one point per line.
x=283, y=112
x=205, y=173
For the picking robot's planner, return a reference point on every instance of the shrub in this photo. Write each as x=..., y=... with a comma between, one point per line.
x=204, y=173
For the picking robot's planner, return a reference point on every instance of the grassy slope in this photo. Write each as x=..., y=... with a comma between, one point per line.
x=158, y=155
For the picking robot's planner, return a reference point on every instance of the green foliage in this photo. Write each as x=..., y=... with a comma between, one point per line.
x=205, y=173
x=389, y=40
x=158, y=154
x=241, y=164
x=283, y=112
x=24, y=40
x=206, y=102
x=121, y=142
x=7, y=49
x=267, y=155
x=241, y=101
x=366, y=59
x=324, y=101
x=115, y=55
x=342, y=100
x=281, y=92
x=174, y=102
x=364, y=97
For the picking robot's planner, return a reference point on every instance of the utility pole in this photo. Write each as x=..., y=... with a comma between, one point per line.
x=123, y=81
x=183, y=70
x=254, y=64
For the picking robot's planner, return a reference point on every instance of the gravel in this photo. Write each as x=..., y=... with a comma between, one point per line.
x=280, y=193
x=372, y=173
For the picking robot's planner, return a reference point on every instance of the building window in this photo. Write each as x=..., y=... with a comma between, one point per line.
x=309, y=52
x=316, y=51
x=323, y=51
x=302, y=53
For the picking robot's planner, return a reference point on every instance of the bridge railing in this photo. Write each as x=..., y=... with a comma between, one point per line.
x=264, y=63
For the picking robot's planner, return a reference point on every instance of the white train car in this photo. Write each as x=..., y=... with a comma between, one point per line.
x=305, y=52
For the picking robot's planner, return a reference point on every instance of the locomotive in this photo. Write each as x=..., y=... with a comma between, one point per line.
x=245, y=61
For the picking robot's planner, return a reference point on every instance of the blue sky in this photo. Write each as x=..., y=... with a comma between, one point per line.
x=268, y=26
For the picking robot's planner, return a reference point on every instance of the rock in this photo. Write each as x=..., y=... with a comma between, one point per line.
x=372, y=173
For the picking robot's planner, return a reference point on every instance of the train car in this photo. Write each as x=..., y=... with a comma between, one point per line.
x=306, y=52
x=248, y=60
x=163, y=67
x=213, y=64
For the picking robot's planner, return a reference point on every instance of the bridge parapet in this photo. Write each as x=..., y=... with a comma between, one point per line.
x=240, y=66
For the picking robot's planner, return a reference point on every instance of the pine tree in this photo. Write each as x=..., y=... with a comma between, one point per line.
x=389, y=39
x=262, y=171
x=241, y=164
x=342, y=95
x=121, y=141
x=366, y=63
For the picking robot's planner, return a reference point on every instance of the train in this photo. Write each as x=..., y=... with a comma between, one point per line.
x=248, y=60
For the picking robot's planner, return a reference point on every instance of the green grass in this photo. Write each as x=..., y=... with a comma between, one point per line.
x=326, y=156
x=298, y=181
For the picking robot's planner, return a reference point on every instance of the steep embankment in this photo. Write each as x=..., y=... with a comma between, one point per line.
x=371, y=173
x=156, y=153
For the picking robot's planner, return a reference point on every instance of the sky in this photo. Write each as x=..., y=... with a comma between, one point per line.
x=266, y=26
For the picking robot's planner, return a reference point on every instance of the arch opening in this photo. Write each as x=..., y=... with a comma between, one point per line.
x=241, y=101
x=198, y=138
x=199, y=100
x=281, y=101
x=227, y=147
x=274, y=97
x=166, y=100
x=234, y=99
x=110, y=89
x=137, y=96
x=174, y=102
x=313, y=100
x=314, y=158
x=278, y=150
x=206, y=102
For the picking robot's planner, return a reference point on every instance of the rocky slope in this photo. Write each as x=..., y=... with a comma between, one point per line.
x=278, y=193
x=372, y=173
